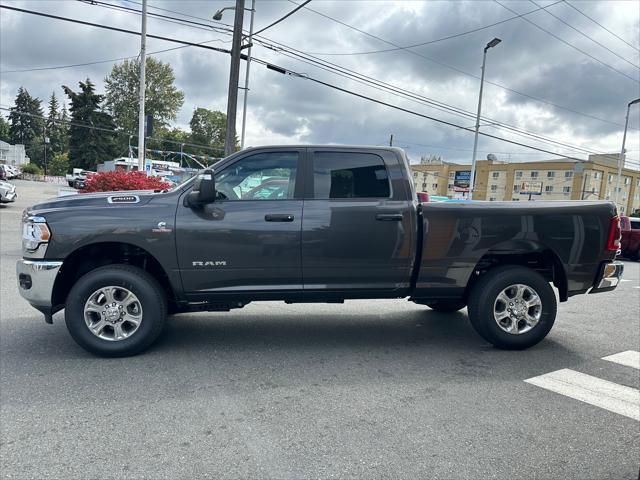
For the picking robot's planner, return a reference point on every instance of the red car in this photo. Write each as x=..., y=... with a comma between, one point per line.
x=630, y=244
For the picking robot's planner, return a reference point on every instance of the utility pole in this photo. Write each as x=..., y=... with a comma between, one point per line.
x=472, y=180
x=234, y=77
x=391, y=140
x=143, y=66
x=621, y=157
x=246, y=76
x=45, y=139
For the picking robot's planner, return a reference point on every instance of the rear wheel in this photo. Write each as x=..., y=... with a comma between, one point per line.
x=512, y=307
x=447, y=306
x=115, y=311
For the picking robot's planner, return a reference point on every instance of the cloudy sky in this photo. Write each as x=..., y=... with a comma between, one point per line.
x=557, y=74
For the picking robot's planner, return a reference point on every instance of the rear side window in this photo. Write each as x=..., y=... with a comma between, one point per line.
x=635, y=224
x=349, y=175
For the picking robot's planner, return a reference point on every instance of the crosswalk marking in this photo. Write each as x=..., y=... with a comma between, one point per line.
x=616, y=398
x=629, y=358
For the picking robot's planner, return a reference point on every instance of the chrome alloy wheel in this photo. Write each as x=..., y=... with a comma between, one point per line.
x=113, y=313
x=517, y=309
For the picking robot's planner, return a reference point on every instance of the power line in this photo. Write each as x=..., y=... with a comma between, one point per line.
x=406, y=49
x=215, y=148
x=283, y=18
x=101, y=61
x=421, y=44
x=380, y=85
x=602, y=26
x=570, y=44
x=282, y=70
x=504, y=87
x=587, y=36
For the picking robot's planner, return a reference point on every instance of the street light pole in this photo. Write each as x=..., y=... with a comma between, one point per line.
x=234, y=77
x=246, y=76
x=621, y=157
x=143, y=65
x=491, y=44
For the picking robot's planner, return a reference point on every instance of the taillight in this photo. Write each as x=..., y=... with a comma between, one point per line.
x=613, y=242
x=423, y=197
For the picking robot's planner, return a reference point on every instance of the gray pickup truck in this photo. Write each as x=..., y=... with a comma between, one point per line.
x=308, y=224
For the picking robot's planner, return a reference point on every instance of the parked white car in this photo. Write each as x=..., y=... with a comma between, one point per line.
x=7, y=192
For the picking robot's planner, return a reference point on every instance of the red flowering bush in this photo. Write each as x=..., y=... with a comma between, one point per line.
x=118, y=181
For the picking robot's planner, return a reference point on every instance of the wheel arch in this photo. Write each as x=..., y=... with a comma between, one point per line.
x=99, y=254
x=526, y=253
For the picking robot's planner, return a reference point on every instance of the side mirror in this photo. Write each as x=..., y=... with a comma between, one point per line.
x=204, y=190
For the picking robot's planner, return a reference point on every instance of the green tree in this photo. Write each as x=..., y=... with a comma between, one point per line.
x=59, y=164
x=162, y=99
x=89, y=146
x=5, y=136
x=27, y=125
x=56, y=127
x=208, y=128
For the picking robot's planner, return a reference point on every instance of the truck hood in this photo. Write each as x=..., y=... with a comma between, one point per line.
x=93, y=200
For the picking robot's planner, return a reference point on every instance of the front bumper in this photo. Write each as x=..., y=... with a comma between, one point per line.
x=608, y=277
x=35, y=281
x=9, y=196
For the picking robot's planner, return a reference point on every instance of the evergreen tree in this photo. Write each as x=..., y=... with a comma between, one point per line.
x=55, y=127
x=5, y=136
x=89, y=146
x=27, y=125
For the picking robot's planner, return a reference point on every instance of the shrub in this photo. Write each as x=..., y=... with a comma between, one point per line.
x=31, y=168
x=59, y=164
x=118, y=181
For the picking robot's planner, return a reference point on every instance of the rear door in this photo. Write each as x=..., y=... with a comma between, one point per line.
x=357, y=233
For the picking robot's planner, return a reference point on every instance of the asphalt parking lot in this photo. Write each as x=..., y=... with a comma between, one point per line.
x=383, y=389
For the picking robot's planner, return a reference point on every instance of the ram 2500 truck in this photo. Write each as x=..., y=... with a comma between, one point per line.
x=308, y=224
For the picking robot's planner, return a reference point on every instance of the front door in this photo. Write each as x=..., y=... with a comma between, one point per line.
x=248, y=240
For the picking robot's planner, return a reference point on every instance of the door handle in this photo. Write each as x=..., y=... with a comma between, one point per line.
x=389, y=217
x=272, y=217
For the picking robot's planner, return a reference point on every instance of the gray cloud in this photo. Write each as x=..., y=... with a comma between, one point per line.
x=288, y=109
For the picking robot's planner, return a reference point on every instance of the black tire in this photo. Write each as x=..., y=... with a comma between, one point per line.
x=447, y=306
x=483, y=297
x=149, y=293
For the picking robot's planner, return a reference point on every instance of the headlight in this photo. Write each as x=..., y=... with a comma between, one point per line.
x=35, y=232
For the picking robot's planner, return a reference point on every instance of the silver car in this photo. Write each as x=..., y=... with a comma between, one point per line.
x=7, y=192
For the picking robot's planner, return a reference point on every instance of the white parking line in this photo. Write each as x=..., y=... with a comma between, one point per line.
x=629, y=358
x=616, y=398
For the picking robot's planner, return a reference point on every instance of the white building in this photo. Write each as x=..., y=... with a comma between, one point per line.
x=12, y=154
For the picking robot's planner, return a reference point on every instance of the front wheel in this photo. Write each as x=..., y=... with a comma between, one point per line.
x=115, y=311
x=512, y=307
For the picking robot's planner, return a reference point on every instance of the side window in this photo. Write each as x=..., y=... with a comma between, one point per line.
x=264, y=176
x=349, y=175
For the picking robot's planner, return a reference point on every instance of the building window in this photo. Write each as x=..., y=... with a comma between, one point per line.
x=516, y=199
x=494, y=188
x=516, y=188
x=551, y=174
x=415, y=174
x=450, y=186
x=518, y=174
x=534, y=174
x=424, y=186
x=495, y=174
x=434, y=186
x=596, y=175
x=452, y=175
x=492, y=199
x=566, y=189
x=626, y=180
x=610, y=178
x=568, y=174
x=548, y=188
x=436, y=174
